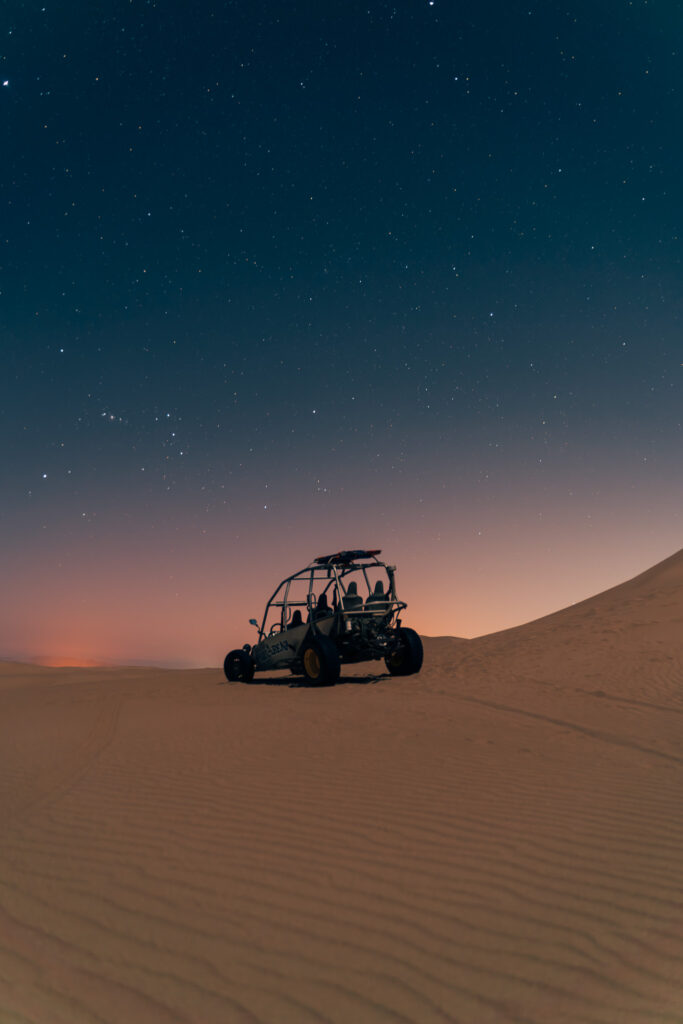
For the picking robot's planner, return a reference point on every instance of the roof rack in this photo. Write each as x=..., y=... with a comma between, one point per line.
x=345, y=557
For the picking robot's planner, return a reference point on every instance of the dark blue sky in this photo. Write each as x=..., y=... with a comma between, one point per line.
x=412, y=266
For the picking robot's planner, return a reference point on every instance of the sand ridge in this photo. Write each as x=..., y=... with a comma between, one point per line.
x=497, y=839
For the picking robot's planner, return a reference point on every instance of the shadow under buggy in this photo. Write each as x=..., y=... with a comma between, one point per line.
x=340, y=609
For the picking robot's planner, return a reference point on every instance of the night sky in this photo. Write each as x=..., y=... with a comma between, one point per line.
x=283, y=278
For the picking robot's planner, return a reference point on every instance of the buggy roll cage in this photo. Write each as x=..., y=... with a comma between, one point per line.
x=333, y=569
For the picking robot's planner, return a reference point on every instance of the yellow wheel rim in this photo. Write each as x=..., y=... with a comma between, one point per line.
x=312, y=663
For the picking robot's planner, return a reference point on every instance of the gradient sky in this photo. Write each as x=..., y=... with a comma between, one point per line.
x=279, y=279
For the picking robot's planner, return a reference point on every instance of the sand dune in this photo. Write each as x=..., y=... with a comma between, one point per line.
x=497, y=839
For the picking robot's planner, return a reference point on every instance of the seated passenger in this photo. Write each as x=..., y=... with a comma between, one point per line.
x=322, y=608
x=296, y=620
x=352, y=601
x=378, y=601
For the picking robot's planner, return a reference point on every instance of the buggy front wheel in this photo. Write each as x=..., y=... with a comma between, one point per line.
x=320, y=661
x=238, y=667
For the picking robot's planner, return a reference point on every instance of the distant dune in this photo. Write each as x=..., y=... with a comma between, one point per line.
x=496, y=839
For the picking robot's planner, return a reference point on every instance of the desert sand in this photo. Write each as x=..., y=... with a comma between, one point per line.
x=497, y=839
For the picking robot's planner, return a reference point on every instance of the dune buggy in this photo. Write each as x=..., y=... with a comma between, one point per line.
x=340, y=609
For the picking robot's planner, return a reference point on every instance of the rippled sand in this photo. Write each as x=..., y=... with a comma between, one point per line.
x=497, y=839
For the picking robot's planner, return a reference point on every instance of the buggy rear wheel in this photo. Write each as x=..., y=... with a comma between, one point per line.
x=406, y=659
x=320, y=661
x=238, y=667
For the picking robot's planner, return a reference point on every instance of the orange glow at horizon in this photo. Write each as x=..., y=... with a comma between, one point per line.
x=64, y=661
x=172, y=604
